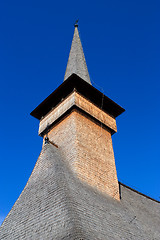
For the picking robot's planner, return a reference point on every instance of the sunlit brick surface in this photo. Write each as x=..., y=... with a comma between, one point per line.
x=81, y=102
x=87, y=147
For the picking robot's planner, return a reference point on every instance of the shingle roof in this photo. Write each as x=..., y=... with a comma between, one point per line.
x=76, y=61
x=56, y=205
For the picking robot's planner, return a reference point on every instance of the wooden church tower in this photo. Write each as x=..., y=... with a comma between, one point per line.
x=80, y=121
x=73, y=191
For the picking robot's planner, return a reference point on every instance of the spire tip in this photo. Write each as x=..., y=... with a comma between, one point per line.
x=76, y=23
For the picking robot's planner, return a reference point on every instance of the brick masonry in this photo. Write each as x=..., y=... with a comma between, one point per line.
x=75, y=99
x=87, y=147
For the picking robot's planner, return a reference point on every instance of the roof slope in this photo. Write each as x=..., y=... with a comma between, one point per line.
x=56, y=205
x=44, y=209
x=76, y=61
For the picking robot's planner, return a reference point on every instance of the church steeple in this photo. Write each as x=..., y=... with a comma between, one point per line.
x=74, y=119
x=76, y=61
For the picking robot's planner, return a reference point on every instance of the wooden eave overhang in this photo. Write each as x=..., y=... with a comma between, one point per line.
x=74, y=82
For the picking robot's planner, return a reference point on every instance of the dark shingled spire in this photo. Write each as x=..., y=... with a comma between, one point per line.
x=76, y=62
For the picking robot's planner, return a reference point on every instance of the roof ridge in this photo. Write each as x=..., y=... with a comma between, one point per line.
x=134, y=190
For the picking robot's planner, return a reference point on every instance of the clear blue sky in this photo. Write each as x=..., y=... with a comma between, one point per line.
x=121, y=41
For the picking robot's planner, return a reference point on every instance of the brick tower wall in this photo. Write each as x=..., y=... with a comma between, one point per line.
x=87, y=147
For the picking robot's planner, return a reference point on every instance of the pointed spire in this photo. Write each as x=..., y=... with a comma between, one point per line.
x=76, y=61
